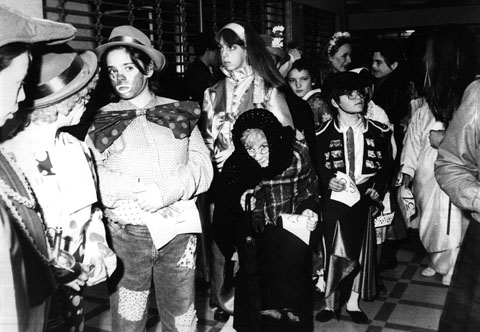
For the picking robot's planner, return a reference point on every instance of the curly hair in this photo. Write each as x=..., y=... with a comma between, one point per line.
x=308, y=65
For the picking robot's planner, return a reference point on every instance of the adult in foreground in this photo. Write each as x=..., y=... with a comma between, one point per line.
x=26, y=281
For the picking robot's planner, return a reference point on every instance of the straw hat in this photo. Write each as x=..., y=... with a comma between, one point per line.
x=127, y=35
x=16, y=27
x=58, y=73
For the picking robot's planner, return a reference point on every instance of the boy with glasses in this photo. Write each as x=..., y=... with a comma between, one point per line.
x=361, y=149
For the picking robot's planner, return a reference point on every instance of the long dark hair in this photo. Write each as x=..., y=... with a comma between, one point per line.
x=11, y=51
x=258, y=56
x=449, y=67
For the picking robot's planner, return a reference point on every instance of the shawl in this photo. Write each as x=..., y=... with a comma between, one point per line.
x=281, y=187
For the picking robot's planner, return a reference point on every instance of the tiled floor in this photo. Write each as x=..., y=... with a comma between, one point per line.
x=412, y=303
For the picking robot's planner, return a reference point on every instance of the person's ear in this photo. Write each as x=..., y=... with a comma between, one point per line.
x=394, y=65
x=334, y=103
x=150, y=69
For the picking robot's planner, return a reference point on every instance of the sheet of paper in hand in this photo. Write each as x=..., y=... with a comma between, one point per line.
x=182, y=219
x=297, y=225
x=350, y=195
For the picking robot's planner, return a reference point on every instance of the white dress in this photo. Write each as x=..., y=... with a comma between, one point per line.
x=441, y=224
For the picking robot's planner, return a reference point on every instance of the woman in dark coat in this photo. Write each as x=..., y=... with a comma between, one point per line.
x=274, y=286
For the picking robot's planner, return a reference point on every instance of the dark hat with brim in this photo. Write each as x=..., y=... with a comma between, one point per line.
x=339, y=83
x=365, y=75
x=16, y=27
x=58, y=73
x=127, y=35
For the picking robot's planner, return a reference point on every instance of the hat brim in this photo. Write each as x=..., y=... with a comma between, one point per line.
x=157, y=57
x=16, y=27
x=90, y=66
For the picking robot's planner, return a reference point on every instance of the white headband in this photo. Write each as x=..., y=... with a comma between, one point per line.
x=238, y=29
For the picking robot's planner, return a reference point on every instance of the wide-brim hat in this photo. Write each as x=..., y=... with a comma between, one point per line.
x=16, y=27
x=341, y=82
x=57, y=73
x=127, y=35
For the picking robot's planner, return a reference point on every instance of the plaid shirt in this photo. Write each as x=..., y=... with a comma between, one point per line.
x=149, y=153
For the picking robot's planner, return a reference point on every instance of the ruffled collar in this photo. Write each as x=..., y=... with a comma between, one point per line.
x=259, y=91
x=310, y=93
x=238, y=74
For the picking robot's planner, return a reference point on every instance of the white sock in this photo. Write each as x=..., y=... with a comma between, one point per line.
x=352, y=304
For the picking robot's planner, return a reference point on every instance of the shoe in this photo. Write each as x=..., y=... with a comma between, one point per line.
x=447, y=279
x=358, y=317
x=221, y=315
x=324, y=315
x=428, y=272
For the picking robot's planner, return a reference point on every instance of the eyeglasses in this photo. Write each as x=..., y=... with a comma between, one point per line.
x=352, y=95
x=252, y=152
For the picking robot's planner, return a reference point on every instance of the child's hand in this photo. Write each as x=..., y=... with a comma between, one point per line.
x=436, y=137
x=97, y=271
x=80, y=281
x=312, y=219
x=336, y=184
x=148, y=197
x=221, y=156
x=373, y=194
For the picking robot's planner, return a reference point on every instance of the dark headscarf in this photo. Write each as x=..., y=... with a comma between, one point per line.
x=279, y=138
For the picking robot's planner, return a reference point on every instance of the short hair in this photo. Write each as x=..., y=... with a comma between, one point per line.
x=302, y=64
x=391, y=50
x=204, y=41
x=308, y=65
x=250, y=135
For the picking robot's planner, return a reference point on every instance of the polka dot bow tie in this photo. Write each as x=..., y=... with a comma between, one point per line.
x=180, y=117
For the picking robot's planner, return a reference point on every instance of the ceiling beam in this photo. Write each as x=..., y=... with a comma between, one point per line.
x=335, y=6
x=414, y=18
